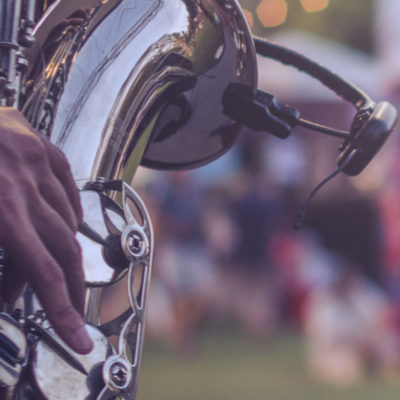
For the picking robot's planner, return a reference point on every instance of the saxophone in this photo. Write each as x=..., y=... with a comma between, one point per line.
x=115, y=84
x=120, y=83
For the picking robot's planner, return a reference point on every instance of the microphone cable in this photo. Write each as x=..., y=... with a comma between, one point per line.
x=302, y=213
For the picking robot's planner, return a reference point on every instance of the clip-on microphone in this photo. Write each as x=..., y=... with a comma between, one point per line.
x=261, y=111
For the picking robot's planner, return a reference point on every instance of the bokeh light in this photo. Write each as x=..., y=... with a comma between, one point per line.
x=249, y=17
x=272, y=12
x=314, y=5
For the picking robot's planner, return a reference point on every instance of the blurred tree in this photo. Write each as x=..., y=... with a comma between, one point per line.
x=345, y=21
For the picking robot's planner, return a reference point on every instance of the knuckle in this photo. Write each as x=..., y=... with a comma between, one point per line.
x=26, y=153
x=58, y=157
x=7, y=113
x=35, y=153
x=49, y=187
x=52, y=194
x=13, y=124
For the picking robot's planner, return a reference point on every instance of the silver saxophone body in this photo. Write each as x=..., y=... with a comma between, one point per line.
x=116, y=84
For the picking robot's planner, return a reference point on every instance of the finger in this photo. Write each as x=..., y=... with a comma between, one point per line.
x=48, y=282
x=39, y=179
x=60, y=241
x=54, y=194
x=61, y=169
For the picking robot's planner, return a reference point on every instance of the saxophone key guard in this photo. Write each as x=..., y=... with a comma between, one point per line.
x=112, y=209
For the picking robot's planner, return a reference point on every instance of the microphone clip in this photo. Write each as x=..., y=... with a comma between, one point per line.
x=259, y=111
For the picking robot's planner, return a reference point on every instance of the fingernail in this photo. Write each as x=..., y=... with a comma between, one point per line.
x=83, y=343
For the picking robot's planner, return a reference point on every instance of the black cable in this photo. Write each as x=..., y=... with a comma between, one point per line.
x=302, y=212
x=333, y=81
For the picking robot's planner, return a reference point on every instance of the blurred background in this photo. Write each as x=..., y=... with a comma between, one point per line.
x=244, y=306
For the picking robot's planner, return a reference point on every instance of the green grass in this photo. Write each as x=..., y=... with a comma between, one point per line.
x=232, y=367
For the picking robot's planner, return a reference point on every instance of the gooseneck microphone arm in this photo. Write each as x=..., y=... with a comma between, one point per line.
x=264, y=112
x=323, y=129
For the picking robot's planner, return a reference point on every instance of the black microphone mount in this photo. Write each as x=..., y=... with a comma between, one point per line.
x=262, y=111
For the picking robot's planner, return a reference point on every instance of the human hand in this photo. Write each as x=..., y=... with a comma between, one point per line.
x=39, y=215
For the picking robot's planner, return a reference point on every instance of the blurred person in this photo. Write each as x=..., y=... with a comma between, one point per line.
x=349, y=329
x=184, y=272
x=301, y=264
x=350, y=225
x=388, y=202
x=247, y=280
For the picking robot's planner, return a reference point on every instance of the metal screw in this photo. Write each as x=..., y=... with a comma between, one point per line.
x=119, y=374
x=135, y=243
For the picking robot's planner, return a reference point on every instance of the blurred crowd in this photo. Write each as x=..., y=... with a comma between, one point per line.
x=226, y=251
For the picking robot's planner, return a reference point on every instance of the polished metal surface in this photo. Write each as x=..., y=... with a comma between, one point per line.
x=58, y=372
x=121, y=371
x=128, y=82
x=10, y=23
x=56, y=379
x=13, y=345
x=116, y=84
x=106, y=222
